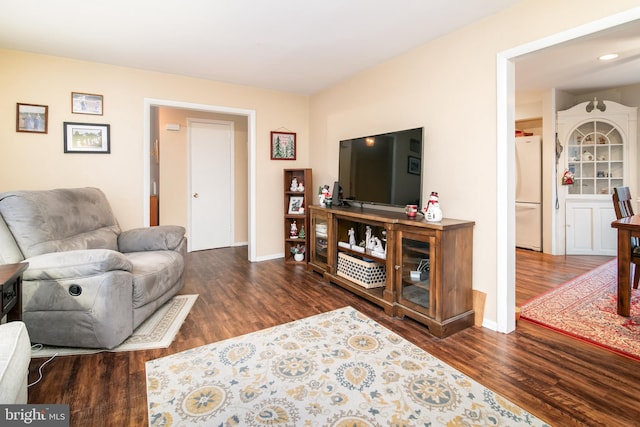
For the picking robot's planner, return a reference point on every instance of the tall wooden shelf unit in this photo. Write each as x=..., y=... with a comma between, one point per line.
x=301, y=218
x=440, y=298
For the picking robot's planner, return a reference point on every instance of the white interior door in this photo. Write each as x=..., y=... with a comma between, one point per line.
x=211, y=182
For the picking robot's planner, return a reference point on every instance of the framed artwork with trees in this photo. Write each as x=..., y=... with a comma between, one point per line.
x=283, y=145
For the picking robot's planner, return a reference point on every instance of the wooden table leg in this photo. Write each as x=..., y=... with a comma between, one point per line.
x=624, y=272
x=16, y=312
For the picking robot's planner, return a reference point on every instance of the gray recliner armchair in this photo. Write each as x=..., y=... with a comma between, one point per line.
x=88, y=283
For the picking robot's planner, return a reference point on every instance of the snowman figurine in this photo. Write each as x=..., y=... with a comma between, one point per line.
x=432, y=211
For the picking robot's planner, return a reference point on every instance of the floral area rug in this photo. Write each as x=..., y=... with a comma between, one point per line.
x=586, y=308
x=334, y=369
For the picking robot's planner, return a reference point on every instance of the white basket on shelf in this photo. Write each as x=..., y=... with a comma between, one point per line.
x=368, y=274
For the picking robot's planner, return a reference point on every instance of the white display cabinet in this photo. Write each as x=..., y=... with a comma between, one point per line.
x=599, y=142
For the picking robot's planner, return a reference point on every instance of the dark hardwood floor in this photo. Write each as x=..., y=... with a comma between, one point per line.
x=559, y=379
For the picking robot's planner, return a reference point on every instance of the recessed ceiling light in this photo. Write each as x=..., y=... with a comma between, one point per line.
x=608, y=57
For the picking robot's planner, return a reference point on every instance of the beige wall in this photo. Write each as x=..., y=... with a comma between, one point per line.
x=37, y=161
x=449, y=87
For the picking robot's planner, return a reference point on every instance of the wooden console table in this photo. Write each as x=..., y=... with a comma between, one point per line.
x=11, y=290
x=440, y=296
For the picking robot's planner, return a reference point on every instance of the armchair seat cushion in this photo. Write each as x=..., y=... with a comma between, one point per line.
x=154, y=273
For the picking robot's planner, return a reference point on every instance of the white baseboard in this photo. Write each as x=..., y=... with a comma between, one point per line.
x=270, y=257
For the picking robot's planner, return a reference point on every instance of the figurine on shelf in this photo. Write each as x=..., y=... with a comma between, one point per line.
x=301, y=233
x=377, y=245
x=294, y=184
x=367, y=239
x=298, y=252
x=293, y=232
x=432, y=211
x=300, y=187
x=325, y=196
x=297, y=249
x=567, y=177
x=352, y=237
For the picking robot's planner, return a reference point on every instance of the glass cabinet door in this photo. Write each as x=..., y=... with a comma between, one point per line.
x=596, y=158
x=319, y=239
x=416, y=278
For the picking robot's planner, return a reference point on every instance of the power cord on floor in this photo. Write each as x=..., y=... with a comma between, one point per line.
x=37, y=347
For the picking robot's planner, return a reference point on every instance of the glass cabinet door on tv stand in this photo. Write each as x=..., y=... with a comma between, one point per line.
x=319, y=240
x=415, y=274
x=434, y=275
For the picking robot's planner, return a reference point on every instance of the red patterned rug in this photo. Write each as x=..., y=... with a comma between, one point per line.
x=585, y=308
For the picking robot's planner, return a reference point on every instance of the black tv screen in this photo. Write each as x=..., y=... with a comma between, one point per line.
x=383, y=169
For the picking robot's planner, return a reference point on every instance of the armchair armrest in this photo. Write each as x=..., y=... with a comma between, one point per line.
x=75, y=264
x=163, y=237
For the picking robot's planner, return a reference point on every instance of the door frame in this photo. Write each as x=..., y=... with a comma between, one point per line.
x=190, y=121
x=505, y=156
x=251, y=158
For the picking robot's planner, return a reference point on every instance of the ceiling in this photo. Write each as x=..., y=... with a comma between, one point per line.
x=574, y=66
x=288, y=45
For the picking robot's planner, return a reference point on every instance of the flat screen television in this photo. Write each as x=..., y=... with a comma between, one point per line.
x=383, y=169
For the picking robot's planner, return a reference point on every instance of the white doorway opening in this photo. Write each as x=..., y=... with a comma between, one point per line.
x=505, y=218
x=251, y=158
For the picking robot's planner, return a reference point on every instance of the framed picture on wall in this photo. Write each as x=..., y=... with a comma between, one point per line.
x=32, y=118
x=86, y=103
x=283, y=146
x=86, y=138
x=413, y=167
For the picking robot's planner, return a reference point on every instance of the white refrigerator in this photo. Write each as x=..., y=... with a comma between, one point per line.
x=529, y=192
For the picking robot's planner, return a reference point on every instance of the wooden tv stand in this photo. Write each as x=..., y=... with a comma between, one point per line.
x=439, y=297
